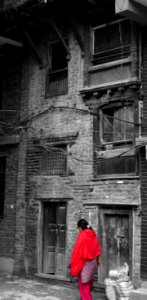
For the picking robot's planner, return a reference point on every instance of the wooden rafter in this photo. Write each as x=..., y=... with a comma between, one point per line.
x=5, y=40
x=77, y=34
x=51, y=21
x=32, y=46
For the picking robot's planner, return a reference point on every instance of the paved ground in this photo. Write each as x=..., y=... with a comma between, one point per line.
x=22, y=289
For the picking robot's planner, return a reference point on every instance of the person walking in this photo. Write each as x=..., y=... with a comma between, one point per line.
x=85, y=258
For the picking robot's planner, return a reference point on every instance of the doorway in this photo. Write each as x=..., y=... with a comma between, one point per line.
x=116, y=237
x=54, y=241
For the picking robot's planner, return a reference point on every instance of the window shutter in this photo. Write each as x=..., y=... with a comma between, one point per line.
x=112, y=42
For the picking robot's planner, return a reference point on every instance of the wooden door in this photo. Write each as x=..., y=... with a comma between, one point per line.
x=115, y=227
x=54, y=238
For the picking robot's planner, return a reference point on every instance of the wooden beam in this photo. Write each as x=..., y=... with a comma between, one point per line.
x=77, y=34
x=51, y=21
x=5, y=40
x=32, y=46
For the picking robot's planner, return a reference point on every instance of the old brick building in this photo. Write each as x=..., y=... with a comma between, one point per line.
x=71, y=135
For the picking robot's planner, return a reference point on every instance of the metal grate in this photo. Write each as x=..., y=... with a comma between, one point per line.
x=57, y=82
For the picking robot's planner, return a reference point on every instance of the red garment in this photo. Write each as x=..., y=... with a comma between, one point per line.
x=86, y=247
x=85, y=289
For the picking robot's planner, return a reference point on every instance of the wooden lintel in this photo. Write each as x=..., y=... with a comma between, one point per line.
x=77, y=34
x=32, y=46
x=51, y=21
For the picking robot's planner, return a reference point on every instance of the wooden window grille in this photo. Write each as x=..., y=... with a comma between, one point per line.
x=111, y=42
x=113, y=139
x=57, y=75
x=2, y=184
x=55, y=160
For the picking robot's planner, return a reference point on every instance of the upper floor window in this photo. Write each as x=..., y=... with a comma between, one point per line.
x=114, y=140
x=55, y=160
x=111, y=42
x=57, y=75
x=116, y=125
x=2, y=184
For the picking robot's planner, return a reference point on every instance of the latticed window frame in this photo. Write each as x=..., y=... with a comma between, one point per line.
x=111, y=54
x=54, y=162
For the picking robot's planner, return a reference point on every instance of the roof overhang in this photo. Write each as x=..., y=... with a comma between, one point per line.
x=132, y=9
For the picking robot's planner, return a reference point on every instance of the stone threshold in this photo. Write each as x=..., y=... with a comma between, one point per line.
x=53, y=277
x=65, y=280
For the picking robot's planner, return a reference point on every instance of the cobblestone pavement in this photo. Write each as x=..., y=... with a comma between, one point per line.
x=12, y=287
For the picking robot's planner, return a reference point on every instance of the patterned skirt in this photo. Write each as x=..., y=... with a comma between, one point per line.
x=87, y=273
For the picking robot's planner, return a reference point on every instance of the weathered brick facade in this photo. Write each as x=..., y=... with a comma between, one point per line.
x=64, y=119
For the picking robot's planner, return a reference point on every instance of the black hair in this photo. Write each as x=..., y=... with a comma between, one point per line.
x=83, y=224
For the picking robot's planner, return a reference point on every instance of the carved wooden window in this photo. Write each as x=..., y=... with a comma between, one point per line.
x=55, y=160
x=114, y=139
x=57, y=75
x=2, y=184
x=116, y=124
x=111, y=42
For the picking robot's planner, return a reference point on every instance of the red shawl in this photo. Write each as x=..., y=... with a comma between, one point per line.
x=86, y=247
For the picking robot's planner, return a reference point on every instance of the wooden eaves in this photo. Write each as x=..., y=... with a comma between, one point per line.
x=42, y=13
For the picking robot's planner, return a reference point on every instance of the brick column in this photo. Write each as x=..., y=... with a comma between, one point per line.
x=20, y=207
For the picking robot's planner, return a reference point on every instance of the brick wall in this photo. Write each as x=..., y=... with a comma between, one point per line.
x=82, y=194
x=7, y=223
x=9, y=119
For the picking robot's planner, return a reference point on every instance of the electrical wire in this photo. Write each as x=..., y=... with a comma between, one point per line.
x=79, y=159
x=33, y=117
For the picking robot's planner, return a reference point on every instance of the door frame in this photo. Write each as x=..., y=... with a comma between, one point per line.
x=119, y=211
x=40, y=236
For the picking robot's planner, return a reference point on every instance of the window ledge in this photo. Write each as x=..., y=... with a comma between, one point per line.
x=110, y=64
x=112, y=153
x=116, y=177
x=53, y=175
x=55, y=94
